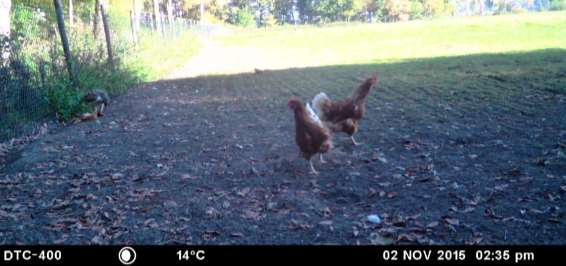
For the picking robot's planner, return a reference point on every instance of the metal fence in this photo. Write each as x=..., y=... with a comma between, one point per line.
x=36, y=55
x=23, y=102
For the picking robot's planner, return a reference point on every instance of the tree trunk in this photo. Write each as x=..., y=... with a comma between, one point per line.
x=133, y=26
x=5, y=6
x=107, y=35
x=96, y=19
x=170, y=14
x=156, y=14
x=201, y=11
x=64, y=41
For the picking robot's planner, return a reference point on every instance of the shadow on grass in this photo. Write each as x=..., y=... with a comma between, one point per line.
x=541, y=68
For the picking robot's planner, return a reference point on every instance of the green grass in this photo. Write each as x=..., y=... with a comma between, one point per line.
x=381, y=43
x=156, y=57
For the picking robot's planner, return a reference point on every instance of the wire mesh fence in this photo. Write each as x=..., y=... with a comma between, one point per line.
x=35, y=65
x=23, y=101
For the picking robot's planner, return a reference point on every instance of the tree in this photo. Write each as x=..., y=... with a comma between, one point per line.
x=214, y=9
x=416, y=9
x=5, y=6
x=284, y=12
x=396, y=10
x=265, y=12
x=156, y=15
x=306, y=10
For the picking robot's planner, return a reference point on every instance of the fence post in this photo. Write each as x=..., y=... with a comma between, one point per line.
x=133, y=24
x=107, y=35
x=64, y=40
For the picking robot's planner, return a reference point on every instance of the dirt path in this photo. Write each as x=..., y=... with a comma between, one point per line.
x=212, y=160
x=214, y=58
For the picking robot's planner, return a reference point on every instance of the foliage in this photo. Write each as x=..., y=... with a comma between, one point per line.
x=433, y=7
x=416, y=10
x=65, y=100
x=241, y=17
x=283, y=11
x=396, y=10
x=557, y=4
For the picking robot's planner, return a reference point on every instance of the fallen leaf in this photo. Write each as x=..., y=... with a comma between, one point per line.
x=490, y=213
x=250, y=214
x=243, y=192
x=452, y=221
x=372, y=193
x=355, y=231
x=210, y=234
x=237, y=234
x=392, y=194
x=377, y=239
x=501, y=187
x=535, y=211
x=468, y=209
x=432, y=224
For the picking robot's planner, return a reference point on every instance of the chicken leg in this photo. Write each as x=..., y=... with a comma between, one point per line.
x=101, y=109
x=354, y=141
x=313, y=171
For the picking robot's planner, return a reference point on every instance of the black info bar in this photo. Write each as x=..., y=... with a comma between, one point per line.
x=213, y=255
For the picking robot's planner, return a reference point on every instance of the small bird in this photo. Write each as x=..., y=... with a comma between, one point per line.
x=98, y=98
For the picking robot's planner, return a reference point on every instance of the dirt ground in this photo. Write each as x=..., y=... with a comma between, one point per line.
x=212, y=160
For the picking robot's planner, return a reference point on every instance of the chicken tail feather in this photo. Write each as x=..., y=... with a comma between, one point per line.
x=315, y=118
x=318, y=103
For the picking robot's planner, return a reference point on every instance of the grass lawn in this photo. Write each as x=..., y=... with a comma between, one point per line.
x=156, y=57
x=286, y=47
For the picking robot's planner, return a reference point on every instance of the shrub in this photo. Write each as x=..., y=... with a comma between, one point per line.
x=241, y=17
x=434, y=7
x=65, y=100
x=557, y=5
x=416, y=10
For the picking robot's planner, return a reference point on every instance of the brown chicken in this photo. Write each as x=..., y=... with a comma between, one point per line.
x=343, y=116
x=311, y=135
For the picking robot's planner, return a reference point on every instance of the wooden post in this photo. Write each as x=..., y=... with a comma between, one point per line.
x=71, y=15
x=107, y=35
x=134, y=27
x=64, y=40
